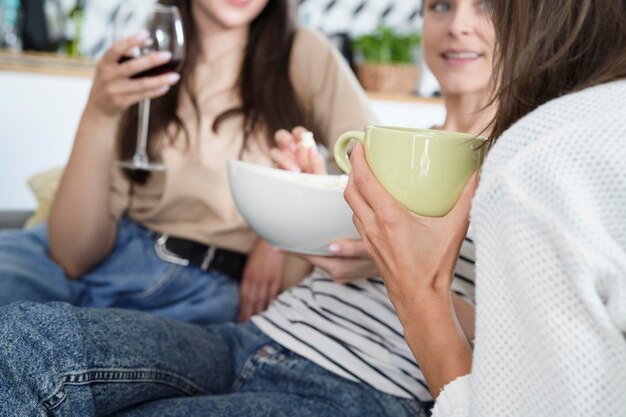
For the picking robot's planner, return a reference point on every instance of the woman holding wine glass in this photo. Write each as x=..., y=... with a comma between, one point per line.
x=170, y=241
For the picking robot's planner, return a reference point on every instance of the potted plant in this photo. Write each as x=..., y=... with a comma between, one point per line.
x=388, y=61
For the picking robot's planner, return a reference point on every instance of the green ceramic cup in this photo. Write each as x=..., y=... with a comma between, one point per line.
x=424, y=169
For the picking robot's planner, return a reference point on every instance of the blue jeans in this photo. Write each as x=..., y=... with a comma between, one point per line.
x=60, y=360
x=131, y=277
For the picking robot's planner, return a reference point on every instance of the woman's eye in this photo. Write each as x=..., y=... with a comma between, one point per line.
x=440, y=6
x=485, y=5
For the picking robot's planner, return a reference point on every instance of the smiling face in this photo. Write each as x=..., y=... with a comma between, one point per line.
x=458, y=41
x=229, y=14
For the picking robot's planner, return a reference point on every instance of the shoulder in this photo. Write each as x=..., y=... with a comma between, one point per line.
x=588, y=122
x=310, y=40
x=312, y=48
x=565, y=161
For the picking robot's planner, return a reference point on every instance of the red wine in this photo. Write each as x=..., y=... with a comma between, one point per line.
x=171, y=66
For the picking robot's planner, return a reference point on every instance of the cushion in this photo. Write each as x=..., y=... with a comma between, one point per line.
x=44, y=186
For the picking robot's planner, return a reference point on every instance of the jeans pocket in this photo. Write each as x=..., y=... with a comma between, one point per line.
x=269, y=354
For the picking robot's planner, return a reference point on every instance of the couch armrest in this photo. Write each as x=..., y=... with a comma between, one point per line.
x=14, y=219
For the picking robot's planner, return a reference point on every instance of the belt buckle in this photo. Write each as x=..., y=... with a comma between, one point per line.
x=208, y=258
x=160, y=246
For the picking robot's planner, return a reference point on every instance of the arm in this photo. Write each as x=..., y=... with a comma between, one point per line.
x=416, y=257
x=262, y=279
x=81, y=228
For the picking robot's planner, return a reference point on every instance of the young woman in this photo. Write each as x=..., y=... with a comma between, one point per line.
x=173, y=243
x=321, y=349
x=550, y=229
x=458, y=45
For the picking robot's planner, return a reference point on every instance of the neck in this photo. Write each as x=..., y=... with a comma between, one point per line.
x=215, y=39
x=467, y=113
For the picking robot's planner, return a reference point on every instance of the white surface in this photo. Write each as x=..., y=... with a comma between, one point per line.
x=296, y=212
x=39, y=117
x=40, y=114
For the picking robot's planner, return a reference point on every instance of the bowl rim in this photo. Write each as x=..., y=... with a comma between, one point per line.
x=290, y=176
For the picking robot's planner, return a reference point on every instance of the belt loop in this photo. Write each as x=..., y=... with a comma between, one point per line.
x=208, y=258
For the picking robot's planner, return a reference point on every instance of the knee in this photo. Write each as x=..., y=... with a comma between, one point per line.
x=26, y=326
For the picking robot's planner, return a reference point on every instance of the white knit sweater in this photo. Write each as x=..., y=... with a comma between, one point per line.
x=550, y=220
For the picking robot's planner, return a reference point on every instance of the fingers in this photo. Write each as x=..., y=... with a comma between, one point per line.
x=370, y=190
x=317, y=163
x=143, y=85
x=127, y=100
x=260, y=299
x=283, y=160
x=366, y=243
x=298, y=131
x=245, y=305
x=355, y=200
x=292, y=156
x=119, y=48
x=137, y=65
x=464, y=203
x=349, y=249
x=286, y=141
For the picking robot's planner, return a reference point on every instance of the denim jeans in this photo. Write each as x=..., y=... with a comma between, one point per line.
x=131, y=277
x=60, y=360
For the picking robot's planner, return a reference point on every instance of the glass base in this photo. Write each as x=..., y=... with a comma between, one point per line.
x=140, y=166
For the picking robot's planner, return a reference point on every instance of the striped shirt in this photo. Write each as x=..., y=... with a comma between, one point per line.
x=353, y=331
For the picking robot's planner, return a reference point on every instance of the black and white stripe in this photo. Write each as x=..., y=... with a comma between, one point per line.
x=353, y=331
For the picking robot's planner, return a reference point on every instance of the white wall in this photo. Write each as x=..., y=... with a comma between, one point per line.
x=39, y=116
x=40, y=113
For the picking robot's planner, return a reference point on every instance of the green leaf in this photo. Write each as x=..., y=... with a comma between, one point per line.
x=387, y=46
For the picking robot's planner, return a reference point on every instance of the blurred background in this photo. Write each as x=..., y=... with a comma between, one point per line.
x=48, y=49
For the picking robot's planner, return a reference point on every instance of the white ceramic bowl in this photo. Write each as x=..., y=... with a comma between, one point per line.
x=292, y=211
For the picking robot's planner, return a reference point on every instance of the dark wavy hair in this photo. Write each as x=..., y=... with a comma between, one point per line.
x=549, y=48
x=268, y=99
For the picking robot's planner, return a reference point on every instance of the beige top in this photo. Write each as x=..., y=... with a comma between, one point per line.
x=192, y=198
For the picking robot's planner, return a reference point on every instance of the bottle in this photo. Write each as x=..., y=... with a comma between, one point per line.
x=9, y=25
x=74, y=27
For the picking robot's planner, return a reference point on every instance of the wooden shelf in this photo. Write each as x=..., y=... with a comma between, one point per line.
x=409, y=98
x=52, y=64
x=46, y=63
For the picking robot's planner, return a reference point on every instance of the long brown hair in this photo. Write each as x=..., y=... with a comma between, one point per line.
x=268, y=99
x=549, y=48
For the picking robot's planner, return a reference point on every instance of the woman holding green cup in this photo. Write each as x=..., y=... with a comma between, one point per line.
x=549, y=224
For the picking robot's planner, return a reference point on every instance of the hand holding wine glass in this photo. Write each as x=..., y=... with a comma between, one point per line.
x=113, y=90
x=147, y=62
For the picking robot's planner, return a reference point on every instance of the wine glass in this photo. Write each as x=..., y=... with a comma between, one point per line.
x=164, y=28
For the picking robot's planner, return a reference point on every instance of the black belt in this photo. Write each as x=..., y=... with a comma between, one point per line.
x=206, y=257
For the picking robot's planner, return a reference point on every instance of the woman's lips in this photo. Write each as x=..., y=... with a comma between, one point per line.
x=461, y=57
x=239, y=3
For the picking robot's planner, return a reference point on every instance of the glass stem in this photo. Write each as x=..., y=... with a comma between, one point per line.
x=142, y=131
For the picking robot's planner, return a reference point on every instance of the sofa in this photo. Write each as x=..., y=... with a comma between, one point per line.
x=14, y=219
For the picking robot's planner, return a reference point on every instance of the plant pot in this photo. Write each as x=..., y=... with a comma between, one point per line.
x=389, y=78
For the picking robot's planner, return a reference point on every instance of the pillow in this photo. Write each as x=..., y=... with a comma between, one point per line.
x=44, y=186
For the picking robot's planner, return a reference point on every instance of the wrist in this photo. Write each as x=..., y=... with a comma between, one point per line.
x=97, y=131
x=438, y=344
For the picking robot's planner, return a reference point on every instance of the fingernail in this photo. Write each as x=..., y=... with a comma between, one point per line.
x=173, y=77
x=334, y=248
x=293, y=147
x=294, y=168
x=142, y=35
x=164, y=55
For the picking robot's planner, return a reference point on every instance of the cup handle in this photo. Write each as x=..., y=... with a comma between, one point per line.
x=341, y=149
